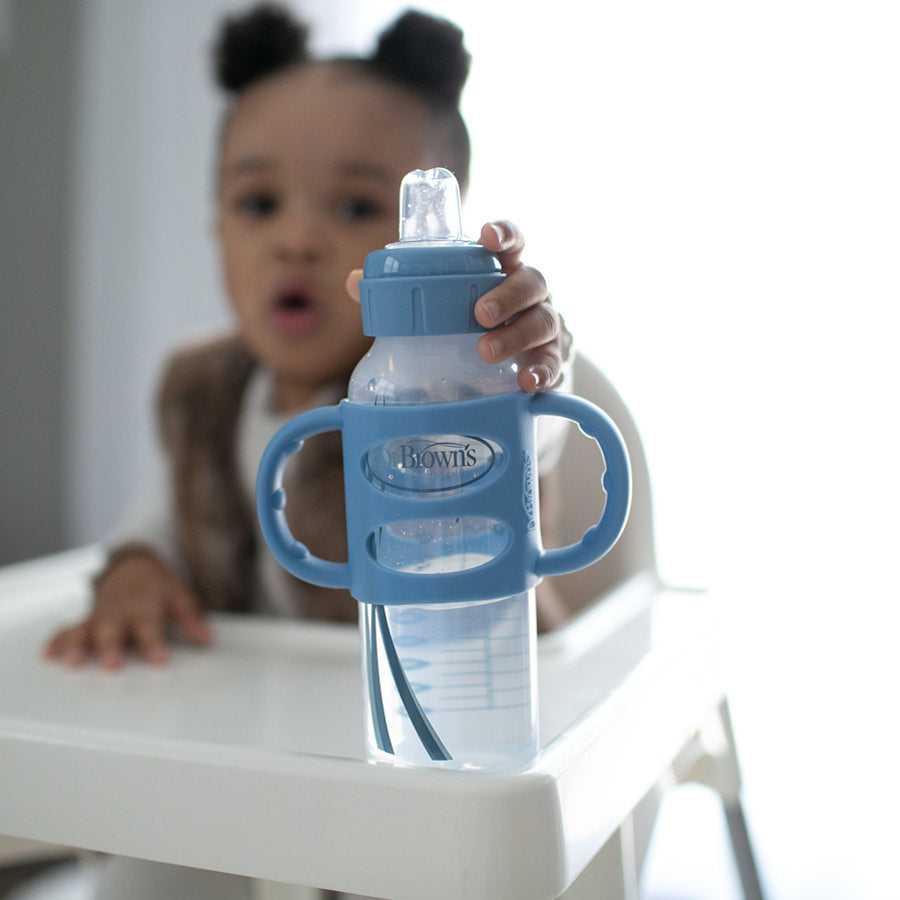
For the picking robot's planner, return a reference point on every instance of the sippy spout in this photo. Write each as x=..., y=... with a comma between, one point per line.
x=430, y=207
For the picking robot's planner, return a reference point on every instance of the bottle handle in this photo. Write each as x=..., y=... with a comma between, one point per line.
x=271, y=499
x=596, y=541
x=616, y=480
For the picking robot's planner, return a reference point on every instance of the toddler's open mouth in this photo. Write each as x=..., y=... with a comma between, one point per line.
x=293, y=312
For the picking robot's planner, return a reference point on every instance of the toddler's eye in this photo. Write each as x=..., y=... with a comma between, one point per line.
x=256, y=205
x=355, y=208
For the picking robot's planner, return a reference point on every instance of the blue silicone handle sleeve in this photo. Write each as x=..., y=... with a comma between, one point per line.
x=364, y=576
x=599, y=539
x=271, y=499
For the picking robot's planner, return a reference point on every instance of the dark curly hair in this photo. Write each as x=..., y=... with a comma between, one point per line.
x=421, y=53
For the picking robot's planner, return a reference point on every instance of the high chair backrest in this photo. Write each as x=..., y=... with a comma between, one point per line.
x=579, y=470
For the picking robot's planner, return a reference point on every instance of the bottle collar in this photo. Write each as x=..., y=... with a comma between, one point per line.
x=412, y=289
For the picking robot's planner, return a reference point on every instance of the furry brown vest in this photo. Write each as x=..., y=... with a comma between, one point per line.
x=216, y=527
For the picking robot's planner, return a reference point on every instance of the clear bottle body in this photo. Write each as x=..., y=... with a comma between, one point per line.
x=467, y=670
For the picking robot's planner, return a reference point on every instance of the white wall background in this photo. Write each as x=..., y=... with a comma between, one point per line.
x=712, y=190
x=37, y=56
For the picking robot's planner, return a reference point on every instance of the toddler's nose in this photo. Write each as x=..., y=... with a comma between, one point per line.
x=300, y=236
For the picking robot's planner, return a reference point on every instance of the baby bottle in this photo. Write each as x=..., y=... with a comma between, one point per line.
x=441, y=491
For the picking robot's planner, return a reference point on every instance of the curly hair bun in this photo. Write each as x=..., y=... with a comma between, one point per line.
x=257, y=43
x=424, y=53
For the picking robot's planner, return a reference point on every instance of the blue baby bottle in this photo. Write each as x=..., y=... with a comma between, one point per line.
x=440, y=475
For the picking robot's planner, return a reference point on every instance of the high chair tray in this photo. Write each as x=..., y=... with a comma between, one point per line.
x=247, y=756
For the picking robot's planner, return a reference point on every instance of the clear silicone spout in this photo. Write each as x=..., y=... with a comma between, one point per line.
x=430, y=207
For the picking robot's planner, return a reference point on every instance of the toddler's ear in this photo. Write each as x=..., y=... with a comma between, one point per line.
x=353, y=283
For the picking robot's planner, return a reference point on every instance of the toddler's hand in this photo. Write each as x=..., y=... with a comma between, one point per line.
x=533, y=331
x=134, y=600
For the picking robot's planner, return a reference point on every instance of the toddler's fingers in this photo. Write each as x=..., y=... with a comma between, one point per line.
x=352, y=284
x=540, y=368
x=519, y=291
x=69, y=646
x=53, y=647
x=504, y=239
x=109, y=642
x=534, y=327
x=185, y=611
x=147, y=634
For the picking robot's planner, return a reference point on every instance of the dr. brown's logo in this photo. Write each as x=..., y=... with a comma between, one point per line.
x=430, y=464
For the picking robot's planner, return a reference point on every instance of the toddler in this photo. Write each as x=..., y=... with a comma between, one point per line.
x=311, y=157
x=310, y=161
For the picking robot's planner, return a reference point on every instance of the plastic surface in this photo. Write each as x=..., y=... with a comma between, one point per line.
x=395, y=300
x=430, y=208
x=440, y=478
x=385, y=447
x=449, y=684
x=452, y=685
x=444, y=550
x=263, y=727
x=431, y=369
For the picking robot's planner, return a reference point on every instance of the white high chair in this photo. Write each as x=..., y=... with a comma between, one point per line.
x=708, y=756
x=248, y=758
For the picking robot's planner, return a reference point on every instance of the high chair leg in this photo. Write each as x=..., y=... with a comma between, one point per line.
x=734, y=815
x=743, y=852
x=612, y=873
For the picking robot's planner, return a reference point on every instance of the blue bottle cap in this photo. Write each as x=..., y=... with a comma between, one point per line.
x=427, y=282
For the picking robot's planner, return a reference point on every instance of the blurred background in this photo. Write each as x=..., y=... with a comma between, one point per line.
x=713, y=193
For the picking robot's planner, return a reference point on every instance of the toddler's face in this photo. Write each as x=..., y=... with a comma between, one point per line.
x=310, y=168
